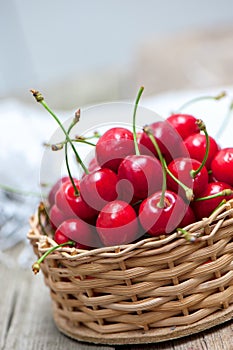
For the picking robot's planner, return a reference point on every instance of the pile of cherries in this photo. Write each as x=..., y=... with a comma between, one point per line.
x=139, y=184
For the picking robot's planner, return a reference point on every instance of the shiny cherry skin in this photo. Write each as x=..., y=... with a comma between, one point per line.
x=73, y=205
x=93, y=165
x=206, y=207
x=117, y=223
x=181, y=168
x=189, y=218
x=60, y=238
x=168, y=139
x=54, y=189
x=196, y=146
x=114, y=145
x=99, y=187
x=222, y=165
x=80, y=232
x=56, y=216
x=157, y=221
x=143, y=172
x=185, y=124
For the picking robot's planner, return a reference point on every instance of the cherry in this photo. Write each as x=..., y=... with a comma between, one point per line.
x=182, y=169
x=185, y=124
x=117, y=223
x=60, y=238
x=98, y=188
x=72, y=204
x=212, y=196
x=189, y=218
x=77, y=230
x=143, y=172
x=93, y=165
x=222, y=165
x=54, y=189
x=196, y=146
x=56, y=216
x=157, y=219
x=114, y=145
x=168, y=139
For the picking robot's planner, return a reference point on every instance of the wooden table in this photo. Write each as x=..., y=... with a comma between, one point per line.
x=26, y=321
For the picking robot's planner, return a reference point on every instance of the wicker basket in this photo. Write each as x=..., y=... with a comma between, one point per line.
x=150, y=291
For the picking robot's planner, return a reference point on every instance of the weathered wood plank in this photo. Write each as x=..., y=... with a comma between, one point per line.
x=31, y=325
x=217, y=338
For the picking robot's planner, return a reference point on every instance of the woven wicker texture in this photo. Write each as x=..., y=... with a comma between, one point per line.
x=152, y=284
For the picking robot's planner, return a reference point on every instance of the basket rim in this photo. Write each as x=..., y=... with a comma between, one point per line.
x=198, y=231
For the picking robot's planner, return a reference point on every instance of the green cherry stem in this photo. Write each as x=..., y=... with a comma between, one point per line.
x=149, y=132
x=73, y=123
x=188, y=191
x=134, y=120
x=59, y=146
x=226, y=192
x=225, y=121
x=186, y=235
x=39, y=98
x=200, y=98
x=96, y=135
x=36, y=265
x=202, y=127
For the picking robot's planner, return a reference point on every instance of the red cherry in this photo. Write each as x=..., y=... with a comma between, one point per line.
x=222, y=165
x=189, y=218
x=60, y=238
x=156, y=220
x=80, y=232
x=56, y=216
x=117, y=223
x=143, y=172
x=114, y=145
x=93, y=165
x=181, y=168
x=71, y=204
x=184, y=124
x=54, y=189
x=168, y=139
x=206, y=207
x=196, y=146
x=98, y=188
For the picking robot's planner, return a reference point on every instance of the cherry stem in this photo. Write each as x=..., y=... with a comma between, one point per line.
x=200, y=98
x=73, y=123
x=58, y=146
x=96, y=135
x=226, y=192
x=225, y=121
x=39, y=98
x=188, y=191
x=149, y=132
x=219, y=205
x=36, y=265
x=202, y=127
x=134, y=120
x=186, y=235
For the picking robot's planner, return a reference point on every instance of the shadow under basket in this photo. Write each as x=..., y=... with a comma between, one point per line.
x=150, y=291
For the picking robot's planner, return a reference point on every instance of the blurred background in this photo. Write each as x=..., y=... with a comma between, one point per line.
x=80, y=52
